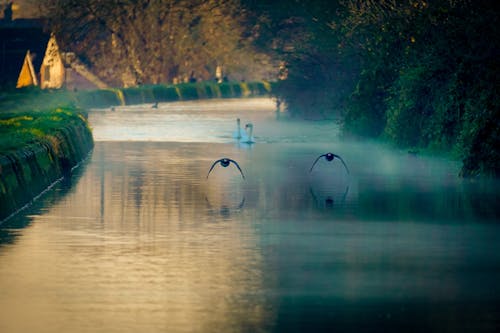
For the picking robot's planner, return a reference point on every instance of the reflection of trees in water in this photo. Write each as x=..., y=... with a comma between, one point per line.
x=329, y=184
x=225, y=194
x=138, y=179
x=58, y=190
x=136, y=185
x=164, y=251
x=224, y=210
x=203, y=260
x=413, y=199
x=329, y=199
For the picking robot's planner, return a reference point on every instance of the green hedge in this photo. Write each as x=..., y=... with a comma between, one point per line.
x=170, y=93
x=96, y=98
x=30, y=99
x=162, y=93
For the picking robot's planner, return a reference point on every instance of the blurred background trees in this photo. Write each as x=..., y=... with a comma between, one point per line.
x=130, y=42
x=421, y=74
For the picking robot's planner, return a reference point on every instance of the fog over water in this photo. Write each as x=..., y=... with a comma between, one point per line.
x=140, y=239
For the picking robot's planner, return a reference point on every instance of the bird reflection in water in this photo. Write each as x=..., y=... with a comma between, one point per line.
x=326, y=190
x=226, y=208
x=326, y=200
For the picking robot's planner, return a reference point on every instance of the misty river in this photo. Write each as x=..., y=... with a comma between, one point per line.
x=139, y=239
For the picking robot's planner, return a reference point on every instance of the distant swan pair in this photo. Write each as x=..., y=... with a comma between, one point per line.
x=245, y=136
x=225, y=162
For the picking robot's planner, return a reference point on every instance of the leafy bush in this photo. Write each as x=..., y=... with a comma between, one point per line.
x=97, y=98
x=226, y=90
x=419, y=73
x=163, y=93
x=133, y=95
x=187, y=91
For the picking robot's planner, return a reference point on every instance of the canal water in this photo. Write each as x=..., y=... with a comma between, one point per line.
x=139, y=239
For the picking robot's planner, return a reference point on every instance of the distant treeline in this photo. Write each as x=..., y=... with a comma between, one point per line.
x=127, y=43
x=420, y=74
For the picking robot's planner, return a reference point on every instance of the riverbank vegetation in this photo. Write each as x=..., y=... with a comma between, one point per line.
x=36, y=149
x=22, y=128
x=35, y=99
x=419, y=74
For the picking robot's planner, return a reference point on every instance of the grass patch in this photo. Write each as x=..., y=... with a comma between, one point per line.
x=20, y=129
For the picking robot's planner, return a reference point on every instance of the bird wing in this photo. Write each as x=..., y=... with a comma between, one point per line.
x=237, y=165
x=316, y=162
x=213, y=165
x=340, y=158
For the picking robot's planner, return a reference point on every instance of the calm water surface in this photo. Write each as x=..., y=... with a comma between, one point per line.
x=139, y=240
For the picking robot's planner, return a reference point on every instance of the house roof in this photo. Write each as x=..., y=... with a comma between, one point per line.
x=28, y=76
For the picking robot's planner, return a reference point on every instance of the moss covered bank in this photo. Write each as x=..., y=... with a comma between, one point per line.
x=37, y=149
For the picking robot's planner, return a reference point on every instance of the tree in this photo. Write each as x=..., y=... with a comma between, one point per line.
x=302, y=35
x=131, y=42
x=420, y=73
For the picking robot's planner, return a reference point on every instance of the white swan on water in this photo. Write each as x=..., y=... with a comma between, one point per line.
x=244, y=136
x=238, y=134
x=249, y=139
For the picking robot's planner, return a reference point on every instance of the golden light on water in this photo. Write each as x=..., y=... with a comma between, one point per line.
x=145, y=259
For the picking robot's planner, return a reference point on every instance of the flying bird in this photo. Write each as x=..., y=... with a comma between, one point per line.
x=330, y=157
x=225, y=163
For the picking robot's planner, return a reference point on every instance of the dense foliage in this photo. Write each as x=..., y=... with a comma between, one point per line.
x=423, y=74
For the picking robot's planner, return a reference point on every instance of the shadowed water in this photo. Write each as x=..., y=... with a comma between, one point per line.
x=139, y=239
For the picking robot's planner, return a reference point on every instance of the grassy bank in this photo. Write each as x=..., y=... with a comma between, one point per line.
x=36, y=149
x=22, y=129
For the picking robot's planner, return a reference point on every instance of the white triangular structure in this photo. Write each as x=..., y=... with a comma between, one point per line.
x=65, y=69
x=52, y=70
